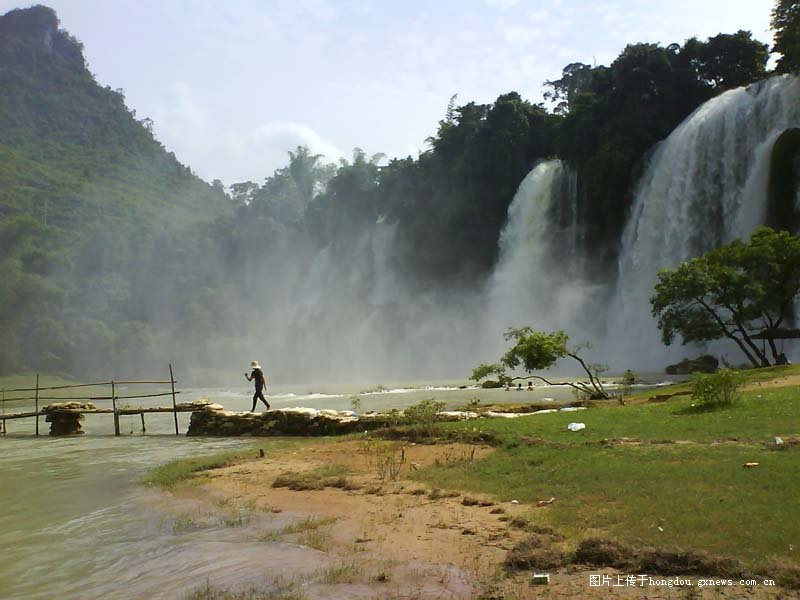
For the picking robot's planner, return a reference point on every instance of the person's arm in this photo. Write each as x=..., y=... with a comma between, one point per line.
x=248, y=377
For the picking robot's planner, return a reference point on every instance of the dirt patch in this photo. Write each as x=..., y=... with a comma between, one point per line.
x=387, y=523
x=410, y=540
x=788, y=381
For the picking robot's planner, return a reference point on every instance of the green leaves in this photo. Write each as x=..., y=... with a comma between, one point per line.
x=734, y=291
x=786, y=23
x=713, y=390
x=484, y=370
x=534, y=350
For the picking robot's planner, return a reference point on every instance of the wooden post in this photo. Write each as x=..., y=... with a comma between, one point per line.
x=174, y=404
x=37, y=404
x=4, y=412
x=114, y=406
x=144, y=429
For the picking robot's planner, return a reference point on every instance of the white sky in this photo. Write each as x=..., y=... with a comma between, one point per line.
x=233, y=84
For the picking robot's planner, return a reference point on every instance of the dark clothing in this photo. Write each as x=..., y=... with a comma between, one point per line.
x=259, y=395
x=258, y=377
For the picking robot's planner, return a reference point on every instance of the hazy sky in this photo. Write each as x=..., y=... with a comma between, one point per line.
x=233, y=84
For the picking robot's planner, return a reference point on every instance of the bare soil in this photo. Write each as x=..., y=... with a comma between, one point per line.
x=411, y=541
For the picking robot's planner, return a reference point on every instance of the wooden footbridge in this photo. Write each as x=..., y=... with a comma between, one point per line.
x=66, y=413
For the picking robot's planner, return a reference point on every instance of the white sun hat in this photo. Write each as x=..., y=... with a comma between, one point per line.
x=254, y=364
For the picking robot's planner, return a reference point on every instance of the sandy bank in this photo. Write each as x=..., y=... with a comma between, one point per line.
x=392, y=537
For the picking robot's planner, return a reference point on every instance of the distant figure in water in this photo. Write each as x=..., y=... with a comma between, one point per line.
x=519, y=387
x=508, y=387
x=530, y=386
x=257, y=376
x=629, y=378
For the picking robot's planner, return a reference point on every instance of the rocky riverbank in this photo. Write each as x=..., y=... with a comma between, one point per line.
x=310, y=422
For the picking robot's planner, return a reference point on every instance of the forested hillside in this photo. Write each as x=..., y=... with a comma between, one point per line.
x=85, y=192
x=115, y=257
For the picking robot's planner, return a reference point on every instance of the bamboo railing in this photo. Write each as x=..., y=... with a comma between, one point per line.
x=36, y=397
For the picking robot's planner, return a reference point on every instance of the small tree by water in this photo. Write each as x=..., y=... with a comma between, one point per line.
x=744, y=292
x=536, y=350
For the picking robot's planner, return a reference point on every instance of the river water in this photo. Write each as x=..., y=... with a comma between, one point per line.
x=76, y=522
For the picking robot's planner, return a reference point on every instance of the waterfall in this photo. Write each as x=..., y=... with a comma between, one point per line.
x=706, y=185
x=538, y=279
x=344, y=311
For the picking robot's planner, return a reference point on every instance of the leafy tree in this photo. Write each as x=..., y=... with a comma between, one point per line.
x=536, y=350
x=302, y=167
x=786, y=23
x=734, y=292
x=575, y=79
x=727, y=61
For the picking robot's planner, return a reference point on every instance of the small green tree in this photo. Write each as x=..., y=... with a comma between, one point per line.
x=536, y=350
x=737, y=291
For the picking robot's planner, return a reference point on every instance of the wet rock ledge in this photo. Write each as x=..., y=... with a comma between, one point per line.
x=213, y=420
x=286, y=421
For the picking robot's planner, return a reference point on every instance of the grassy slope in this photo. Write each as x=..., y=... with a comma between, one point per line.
x=698, y=492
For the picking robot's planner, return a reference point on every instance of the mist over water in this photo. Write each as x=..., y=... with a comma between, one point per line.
x=345, y=312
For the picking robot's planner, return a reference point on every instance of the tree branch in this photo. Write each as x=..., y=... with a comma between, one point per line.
x=727, y=332
x=598, y=387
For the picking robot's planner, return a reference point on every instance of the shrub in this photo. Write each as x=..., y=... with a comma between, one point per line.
x=426, y=412
x=716, y=389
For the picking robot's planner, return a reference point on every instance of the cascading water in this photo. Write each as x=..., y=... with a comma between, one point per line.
x=706, y=185
x=538, y=279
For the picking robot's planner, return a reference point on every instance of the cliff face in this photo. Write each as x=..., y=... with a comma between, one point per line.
x=28, y=35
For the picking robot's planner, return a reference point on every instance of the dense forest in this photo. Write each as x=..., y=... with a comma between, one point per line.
x=116, y=257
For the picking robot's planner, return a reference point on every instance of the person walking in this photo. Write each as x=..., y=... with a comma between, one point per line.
x=257, y=376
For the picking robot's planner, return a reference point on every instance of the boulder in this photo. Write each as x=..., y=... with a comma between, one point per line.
x=701, y=364
x=491, y=384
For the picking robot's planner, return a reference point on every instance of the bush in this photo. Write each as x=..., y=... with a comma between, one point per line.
x=426, y=412
x=717, y=389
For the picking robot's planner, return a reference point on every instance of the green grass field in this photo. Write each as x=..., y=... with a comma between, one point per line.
x=684, y=487
x=757, y=416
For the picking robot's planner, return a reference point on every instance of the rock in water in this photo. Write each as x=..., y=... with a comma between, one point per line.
x=65, y=417
x=702, y=364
